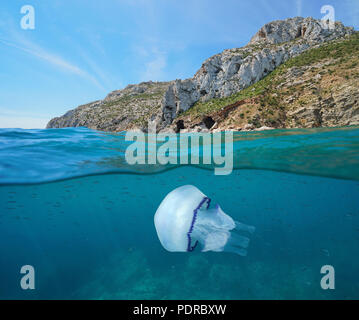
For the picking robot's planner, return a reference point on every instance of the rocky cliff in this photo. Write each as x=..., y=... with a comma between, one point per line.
x=293, y=73
x=121, y=110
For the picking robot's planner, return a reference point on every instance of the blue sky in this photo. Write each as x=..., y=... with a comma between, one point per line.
x=80, y=50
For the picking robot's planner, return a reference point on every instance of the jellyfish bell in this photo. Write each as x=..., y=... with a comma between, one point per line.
x=185, y=220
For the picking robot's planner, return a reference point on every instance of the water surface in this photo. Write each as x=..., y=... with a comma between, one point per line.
x=90, y=235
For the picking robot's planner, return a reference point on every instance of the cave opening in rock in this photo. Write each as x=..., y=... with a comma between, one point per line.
x=208, y=122
x=179, y=126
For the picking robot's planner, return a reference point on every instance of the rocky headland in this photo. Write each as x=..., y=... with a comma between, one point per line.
x=293, y=73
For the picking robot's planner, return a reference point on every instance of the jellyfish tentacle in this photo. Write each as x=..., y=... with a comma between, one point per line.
x=233, y=249
x=215, y=241
x=238, y=240
x=243, y=227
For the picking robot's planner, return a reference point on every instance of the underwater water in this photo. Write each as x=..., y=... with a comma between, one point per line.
x=73, y=209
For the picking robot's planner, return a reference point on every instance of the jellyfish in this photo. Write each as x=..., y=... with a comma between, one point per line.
x=185, y=219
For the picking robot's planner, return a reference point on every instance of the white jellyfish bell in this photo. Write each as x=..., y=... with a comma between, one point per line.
x=184, y=219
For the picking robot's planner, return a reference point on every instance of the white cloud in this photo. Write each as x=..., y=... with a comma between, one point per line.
x=53, y=59
x=299, y=5
x=155, y=68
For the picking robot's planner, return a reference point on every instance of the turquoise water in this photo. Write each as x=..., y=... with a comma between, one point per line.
x=73, y=209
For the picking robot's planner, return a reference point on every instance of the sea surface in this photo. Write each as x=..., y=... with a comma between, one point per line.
x=75, y=210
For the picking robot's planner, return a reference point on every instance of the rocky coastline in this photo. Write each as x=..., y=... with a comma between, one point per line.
x=293, y=73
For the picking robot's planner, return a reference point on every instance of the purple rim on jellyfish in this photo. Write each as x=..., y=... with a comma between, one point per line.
x=195, y=212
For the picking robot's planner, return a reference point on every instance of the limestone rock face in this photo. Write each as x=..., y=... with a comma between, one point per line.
x=222, y=75
x=309, y=29
x=179, y=97
x=129, y=108
x=235, y=69
x=340, y=109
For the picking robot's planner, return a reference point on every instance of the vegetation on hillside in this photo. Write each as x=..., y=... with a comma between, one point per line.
x=340, y=58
